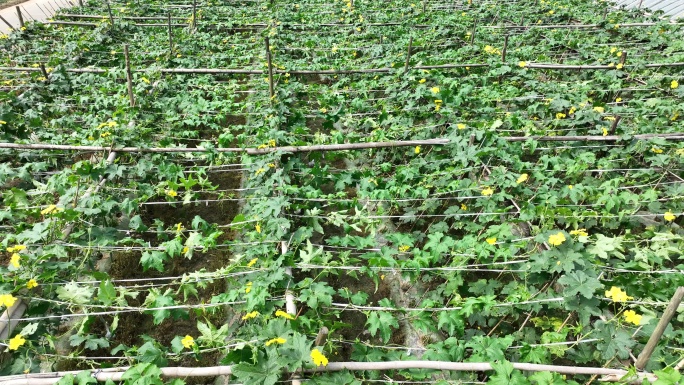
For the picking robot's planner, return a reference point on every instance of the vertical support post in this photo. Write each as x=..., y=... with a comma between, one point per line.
x=43, y=71
x=21, y=18
x=322, y=336
x=129, y=77
x=643, y=358
x=7, y=22
x=623, y=57
x=80, y=3
x=290, y=307
x=111, y=17
x=424, y=4
x=503, y=50
x=408, y=55
x=194, y=14
x=168, y=19
x=640, y=2
x=472, y=35
x=271, y=89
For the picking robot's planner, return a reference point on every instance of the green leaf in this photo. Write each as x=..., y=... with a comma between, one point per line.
x=151, y=354
x=382, y=321
x=143, y=374
x=84, y=378
x=73, y=293
x=578, y=282
x=107, y=293
x=319, y=293
x=153, y=259
x=265, y=371
x=506, y=375
x=667, y=376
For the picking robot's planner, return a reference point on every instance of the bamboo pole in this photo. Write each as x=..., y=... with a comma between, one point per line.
x=249, y=151
x=129, y=77
x=271, y=89
x=7, y=22
x=408, y=55
x=194, y=14
x=660, y=328
x=111, y=17
x=591, y=138
x=351, y=71
x=290, y=307
x=99, y=17
x=19, y=15
x=116, y=374
x=168, y=19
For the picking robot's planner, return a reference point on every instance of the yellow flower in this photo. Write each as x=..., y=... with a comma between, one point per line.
x=31, y=283
x=632, y=317
x=417, y=150
x=560, y=115
x=461, y=126
x=188, y=341
x=570, y=186
x=656, y=150
x=421, y=81
x=580, y=232
x=487, y=191
x=250, y=315
x=617, y=295
x=435, y=90
x=323, y=110
x=618, y=54
x=491, y=241
x=282, y=314
x=52, y=209
x=358, y=29
x=605, y=131
x=438, y=101
x=556, y=239
x=179, y=227
x=522, y=178
x=551, y=12
x=599, y=109
x=404, y=248
x=258, y=228
x=619, y=66
x=252, y=262
x=16, y=342
x=7, y=300
x=145, y=80
x=674, y=84
x=334, y=49
x=464, y=207
x=318, y=358
x=612, y=50
x=248, y=288
x=14, y=260
x=2, y=122
x=522, y=64
x=572, y=110
x=16, y=248
x=279, y=340
x=171, y=193
x=679, y=151
x=179, y=55
x=669, y=216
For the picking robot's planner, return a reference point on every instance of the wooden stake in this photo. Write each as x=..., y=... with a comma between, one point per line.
x=168, y=19
x=43, y=70
x=408, y=55
x=7, y=22
x=271, y=89
x=472, y=36
x=80, y=3
x=613, y=126
x=503, y=51
x=322, y=336
x=111, y=17
x=129, y=76
x=660, y=329
x=21, y=18
x=623, y=57
x=194, y=14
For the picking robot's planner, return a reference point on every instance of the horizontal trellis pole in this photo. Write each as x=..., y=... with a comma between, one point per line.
x=592, y=138
x=386, y=24
x=250, y=151
x=82, y=24
x=219, y=71
x=115, y=374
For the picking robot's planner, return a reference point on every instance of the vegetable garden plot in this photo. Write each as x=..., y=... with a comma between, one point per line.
x=483, y=249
